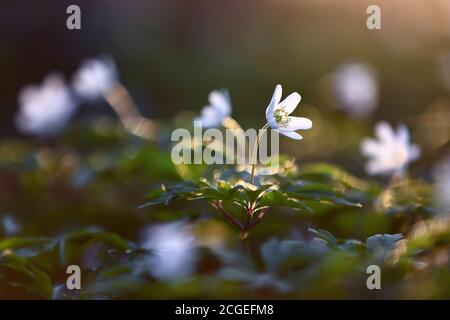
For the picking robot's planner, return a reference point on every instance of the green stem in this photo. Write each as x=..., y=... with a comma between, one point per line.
x=219, y=206
x=255, y=150
x=246, y=241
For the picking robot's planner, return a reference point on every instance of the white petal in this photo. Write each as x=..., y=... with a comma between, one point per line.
x=272, y=122
x=299, y=123
x=374, y=167
x=414, y=152
x=290, y=103
x=221, y=100
x=45, y=109
x=384, y=132
x=291, y=134
x=95, y=78
x=403, y=134
x=276, y=97
x=371, y=147
x=28, y=93
x=210, y=117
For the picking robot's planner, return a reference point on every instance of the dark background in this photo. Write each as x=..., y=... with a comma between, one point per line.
x=170, y=54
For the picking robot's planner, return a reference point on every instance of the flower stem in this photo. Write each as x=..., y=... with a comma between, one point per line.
x=246, y=242
x=255, y=150
x=123, y=105
x=219, y=206
x=232, y=124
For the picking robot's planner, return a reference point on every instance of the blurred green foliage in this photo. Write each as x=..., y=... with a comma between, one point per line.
x=323, y=226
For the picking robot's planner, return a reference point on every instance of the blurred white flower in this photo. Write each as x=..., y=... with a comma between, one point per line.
x=356, y=89
x=441, y=175
x=392, y=152
x=95, y=78
x=9, y=225
x=45, y=110
x=219, y=108
x=277, y=114
x=173, y=251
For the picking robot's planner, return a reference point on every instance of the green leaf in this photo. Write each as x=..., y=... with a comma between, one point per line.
x=72, y=244
x=327, y=197
x=325, y=235
x=282, y=255
x=282, y=199
x=324, y=193
x=185, y=190
x=143, y=161
x=328, y=173
x=109, y=238
x=20, y=242
x=37, y=282
x=353, y=245
x=380, y=245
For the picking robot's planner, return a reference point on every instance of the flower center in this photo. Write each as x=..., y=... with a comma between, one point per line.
x=400, y=157
x=281, y=117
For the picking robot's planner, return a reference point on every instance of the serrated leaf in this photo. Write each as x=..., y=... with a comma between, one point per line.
x=185, y=190
x=276, y=198
x=319, y=192
x=326, y=173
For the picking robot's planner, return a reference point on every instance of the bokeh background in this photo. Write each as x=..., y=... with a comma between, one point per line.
x=170, y=54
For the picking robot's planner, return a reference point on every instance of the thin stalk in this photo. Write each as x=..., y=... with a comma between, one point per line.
x=123, y=105
x=232, y=124
x=246, y=241
x=255, y=150
x=385, y=198
x=219, y=206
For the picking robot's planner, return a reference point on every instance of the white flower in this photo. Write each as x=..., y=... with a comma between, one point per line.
x=45, y=110
x=95, y=78
x=277, y=114
x=173, y=251
x=442, y=184
x=10, y=225
x=219, y=108
x=356, y=89
x=392, y=152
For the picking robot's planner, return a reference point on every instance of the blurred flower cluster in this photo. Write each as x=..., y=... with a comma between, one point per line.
x=46, y=109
